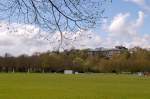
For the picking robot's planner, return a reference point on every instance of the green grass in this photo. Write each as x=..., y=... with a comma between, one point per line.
x=82, y=86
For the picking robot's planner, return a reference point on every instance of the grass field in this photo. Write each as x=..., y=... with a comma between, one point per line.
x=82, y=86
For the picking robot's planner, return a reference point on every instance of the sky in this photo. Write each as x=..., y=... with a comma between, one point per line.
x=127, y=24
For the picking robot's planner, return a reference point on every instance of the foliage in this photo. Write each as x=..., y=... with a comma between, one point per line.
x=77, y=60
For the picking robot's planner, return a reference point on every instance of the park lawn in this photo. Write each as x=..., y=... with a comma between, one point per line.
x=82, y=86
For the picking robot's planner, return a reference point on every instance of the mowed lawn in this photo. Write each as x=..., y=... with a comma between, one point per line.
x=82, y=86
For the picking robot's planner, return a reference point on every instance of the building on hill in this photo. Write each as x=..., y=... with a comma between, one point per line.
x=107, y=52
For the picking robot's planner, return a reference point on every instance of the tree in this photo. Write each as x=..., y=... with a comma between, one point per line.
x=55, y=15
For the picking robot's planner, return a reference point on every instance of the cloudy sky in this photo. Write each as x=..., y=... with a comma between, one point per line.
x=127, y=24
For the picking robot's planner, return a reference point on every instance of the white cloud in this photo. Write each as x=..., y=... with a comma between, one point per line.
x=120, y=25
x=143, y=41
x=80, y=39
x=141, y=3
x=122, y=31
x=19, y=39
x=139, y=22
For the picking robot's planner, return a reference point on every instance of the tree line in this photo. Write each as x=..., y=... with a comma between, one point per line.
x=77, y=60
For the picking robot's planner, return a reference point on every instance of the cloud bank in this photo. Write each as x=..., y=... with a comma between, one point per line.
x=19, y=39
x=120, y=25
x=141, y=3
x=125, y=32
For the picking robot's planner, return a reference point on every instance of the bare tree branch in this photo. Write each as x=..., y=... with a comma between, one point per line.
x=54, y=15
